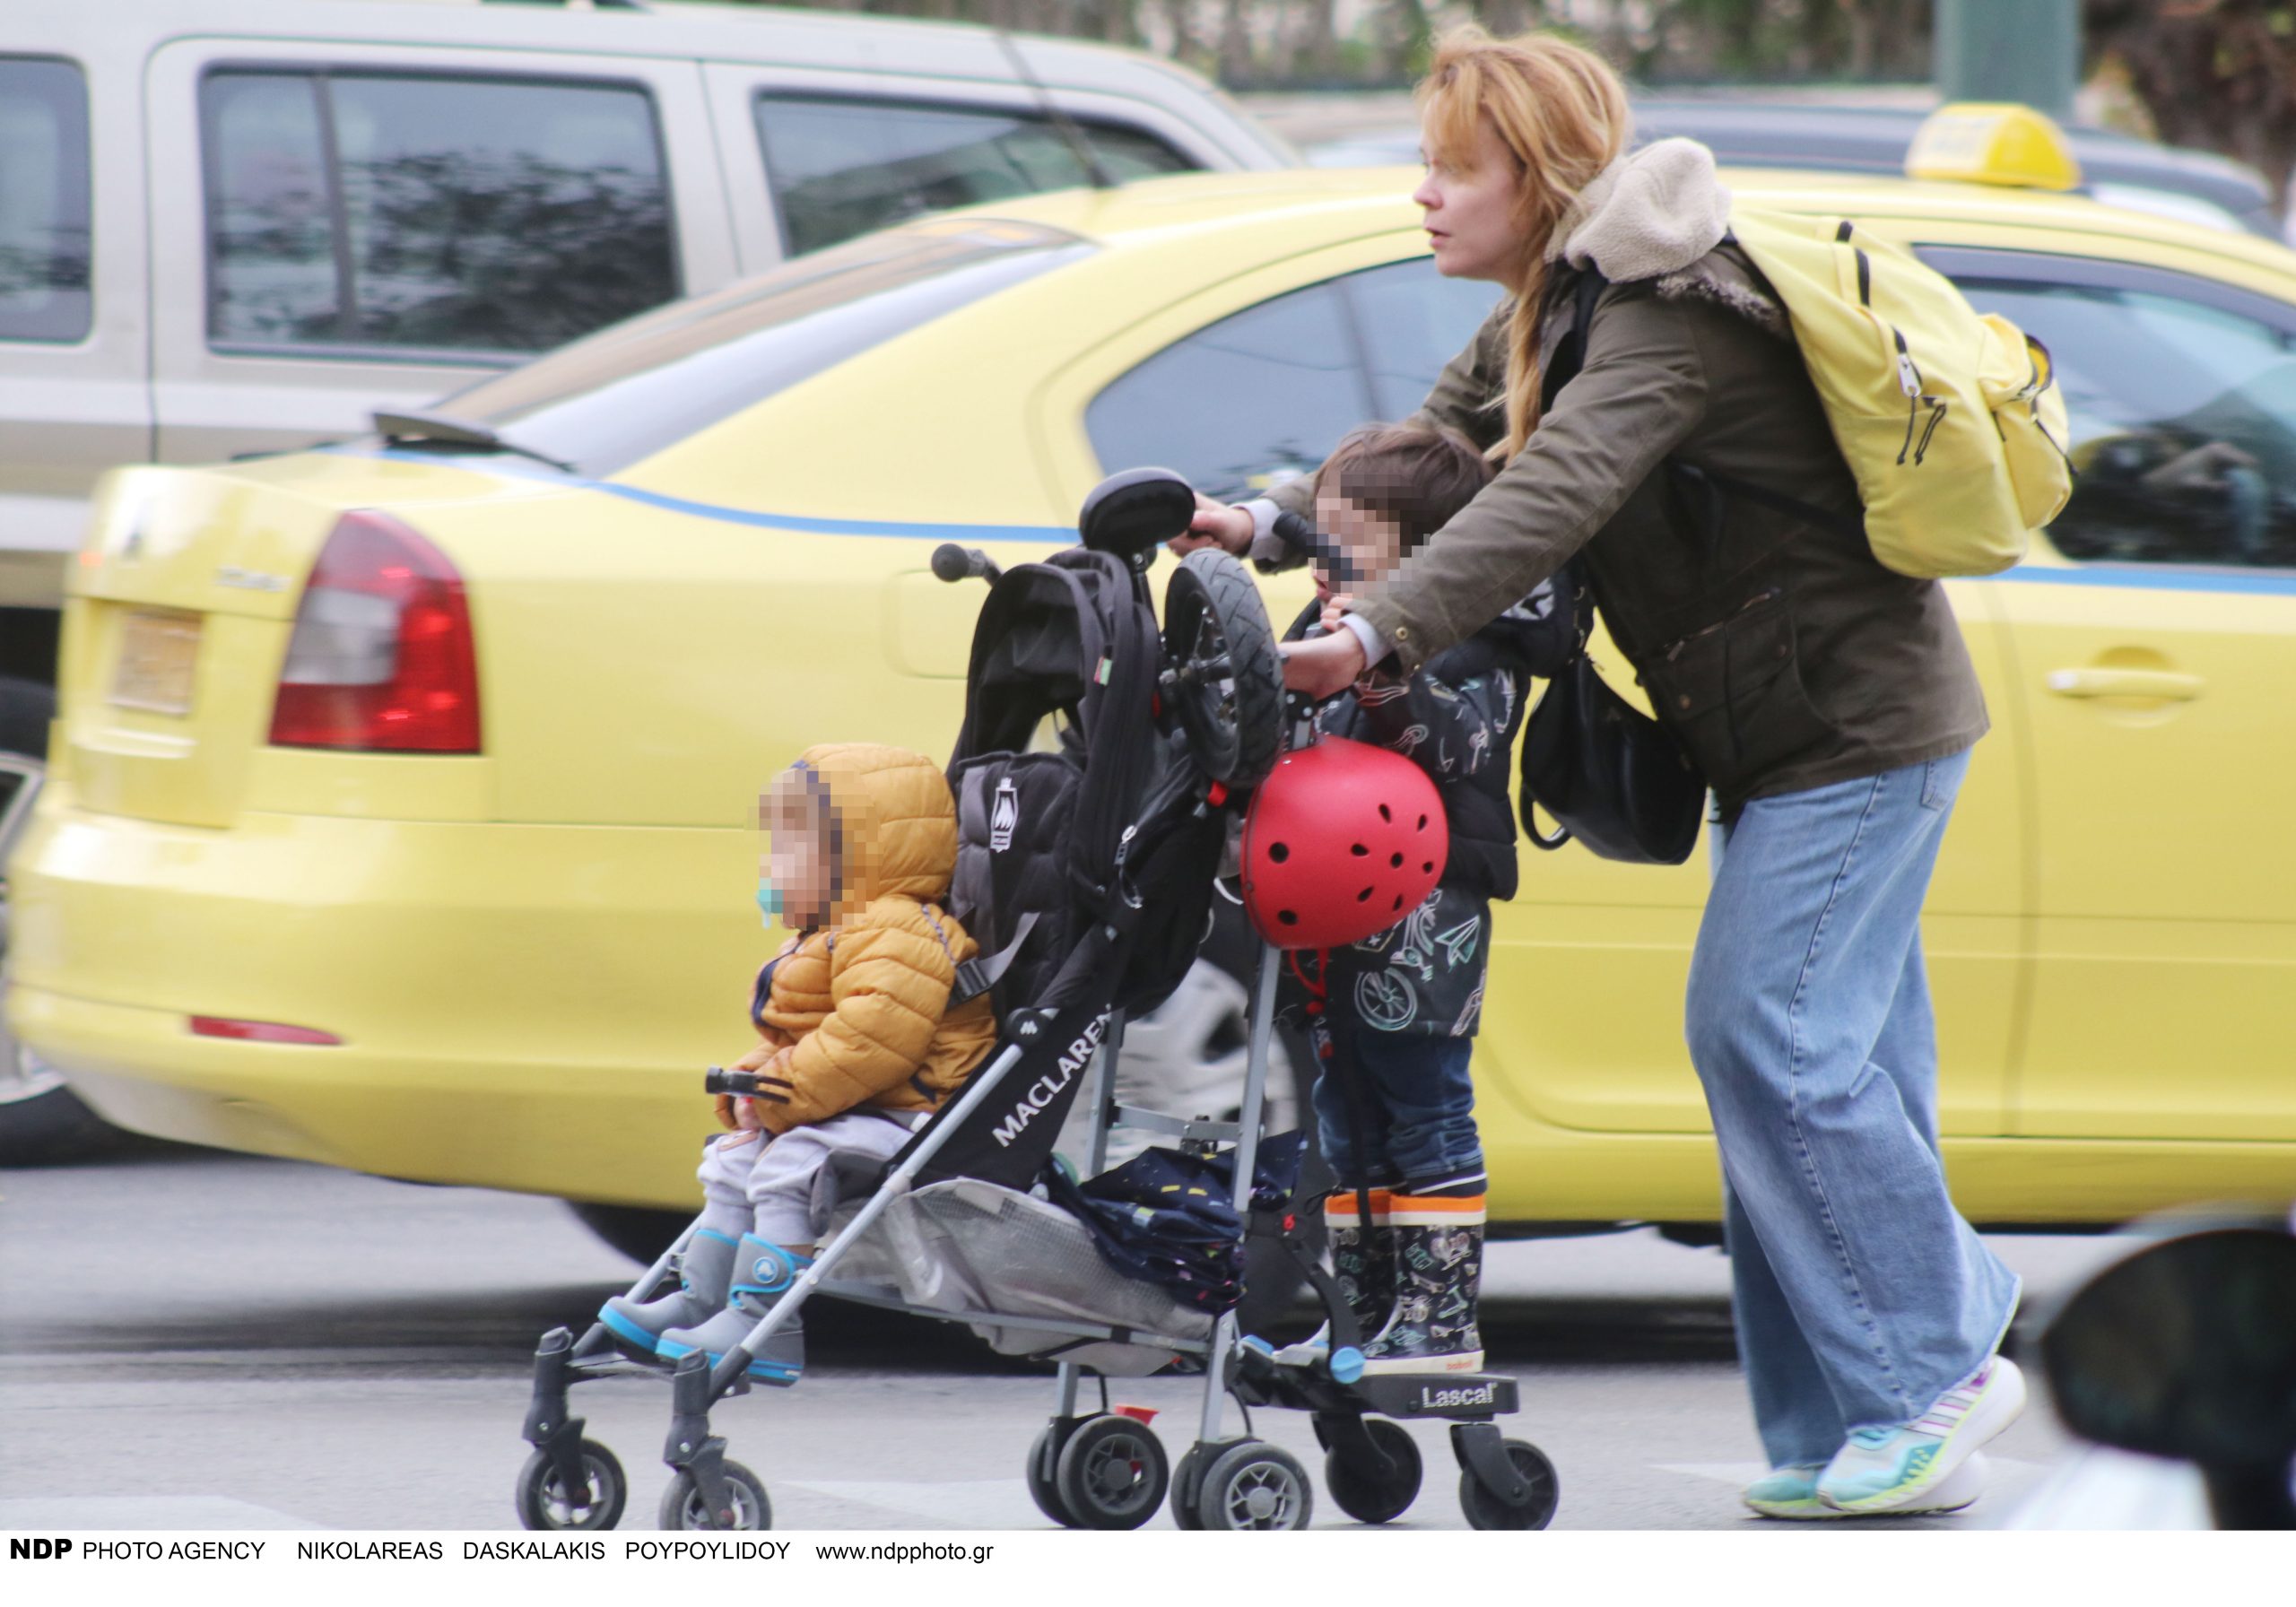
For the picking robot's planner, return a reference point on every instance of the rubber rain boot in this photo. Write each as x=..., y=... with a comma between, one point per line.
x=705, y=1271
x=763, y=1272
x=1438, y=1278
x=1362, y=1264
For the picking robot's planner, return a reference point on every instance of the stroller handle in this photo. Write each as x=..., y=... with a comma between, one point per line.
x=953, y=563
x=719, y=1080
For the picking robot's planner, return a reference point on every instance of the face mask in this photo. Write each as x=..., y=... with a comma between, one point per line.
x=768, y=903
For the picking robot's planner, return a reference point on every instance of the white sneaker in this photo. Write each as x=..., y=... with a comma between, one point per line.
x=1889, y=1470
x=1791, y=1492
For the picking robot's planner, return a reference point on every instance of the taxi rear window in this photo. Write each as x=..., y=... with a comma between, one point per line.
x=615, y=398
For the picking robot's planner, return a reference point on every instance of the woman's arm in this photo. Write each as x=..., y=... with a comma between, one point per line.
x=1641, y=391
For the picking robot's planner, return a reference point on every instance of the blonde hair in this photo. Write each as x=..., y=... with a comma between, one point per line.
x=1560, y=112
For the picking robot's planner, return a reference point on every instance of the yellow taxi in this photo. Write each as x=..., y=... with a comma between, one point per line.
x=403, y=795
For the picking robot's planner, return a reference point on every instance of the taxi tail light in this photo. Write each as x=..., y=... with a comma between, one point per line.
x=382, y=657
x=258, y=1032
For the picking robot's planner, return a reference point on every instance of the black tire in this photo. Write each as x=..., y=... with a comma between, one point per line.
x=682, y=1507
x=639, y=1233
x=51, y=1127
x=1226, y=682
x=1183, y=1498
x=542, y=1502
x=1256, y=1486
x=26, y=710
x=1112, y=1472
x=1360, y=1493
x=1485, y=1510
x=1044, y=1457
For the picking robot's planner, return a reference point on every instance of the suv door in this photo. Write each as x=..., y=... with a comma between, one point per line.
x=2153, y=642
x=1582, y=1027
x=341, y=228
x=74, y=392
x=814, y=156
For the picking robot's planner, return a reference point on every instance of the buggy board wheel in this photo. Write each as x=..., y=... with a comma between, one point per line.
x=1254, y=1486
x=1044, y=1456
x=1485, y=1510
x=1112, y=1473
x=1227, y=681
x=1184, y=1492
x=543, y=1500
x=1360, y=1492
x=683, y=1508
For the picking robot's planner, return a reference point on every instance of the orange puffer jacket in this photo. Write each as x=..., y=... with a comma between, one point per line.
x=864, y=1001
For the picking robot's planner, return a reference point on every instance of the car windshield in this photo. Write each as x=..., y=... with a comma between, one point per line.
x=614, y=398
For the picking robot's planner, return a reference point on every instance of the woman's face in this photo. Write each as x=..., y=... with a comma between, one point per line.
x=1470, y=198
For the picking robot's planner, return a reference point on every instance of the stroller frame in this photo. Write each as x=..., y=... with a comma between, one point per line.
x=1234, y=1480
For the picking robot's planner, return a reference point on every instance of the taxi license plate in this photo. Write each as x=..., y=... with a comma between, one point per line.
x=157, y=655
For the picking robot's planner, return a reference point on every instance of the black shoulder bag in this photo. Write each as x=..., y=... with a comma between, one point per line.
x=1610, y=775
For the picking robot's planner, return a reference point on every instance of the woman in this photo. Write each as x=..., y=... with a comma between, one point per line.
x=1829, y=702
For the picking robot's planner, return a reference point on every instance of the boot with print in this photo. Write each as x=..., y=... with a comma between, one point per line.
x=1362, y=1264
x=1438, y=1249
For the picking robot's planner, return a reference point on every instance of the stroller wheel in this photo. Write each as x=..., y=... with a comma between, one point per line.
x=1362, y=1492
x=1112, y=1473
x=1255, y=1486
x=544, y=1502
x=1225, y=682
x=683, y=1509
x=1044, y=1489
x=1184, y=1492
x=1485, y=1510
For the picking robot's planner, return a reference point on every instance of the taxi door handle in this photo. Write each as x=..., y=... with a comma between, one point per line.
x=2167, y=685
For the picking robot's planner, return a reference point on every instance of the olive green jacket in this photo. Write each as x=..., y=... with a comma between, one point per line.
x=1783, y=655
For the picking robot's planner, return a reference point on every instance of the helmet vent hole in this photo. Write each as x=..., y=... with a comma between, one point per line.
x=1359, y=851
x=1399, y=900
x=1422, y=822
x=1290, y=917
x=1396, y=861
x=1387, y=814
x=1364, y=897
x=1278, y=852
x=1429, y=867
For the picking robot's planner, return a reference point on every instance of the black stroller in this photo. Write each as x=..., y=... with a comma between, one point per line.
x=1086, y=872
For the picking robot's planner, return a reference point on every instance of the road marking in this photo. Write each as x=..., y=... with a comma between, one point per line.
x=143, y=1512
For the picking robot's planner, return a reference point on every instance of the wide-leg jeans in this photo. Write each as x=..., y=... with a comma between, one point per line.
x=1860, y=1293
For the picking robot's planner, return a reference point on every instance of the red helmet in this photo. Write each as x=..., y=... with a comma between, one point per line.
x=1342, y=840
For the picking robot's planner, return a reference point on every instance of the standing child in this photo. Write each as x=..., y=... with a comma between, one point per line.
x=859, y=1045
x=1403, y=1006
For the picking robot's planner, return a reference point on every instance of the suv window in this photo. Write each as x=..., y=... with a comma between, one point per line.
x=1267, y=393
x=414, y=215
x=627, y=393
x=841, y=167
x=44, y=234
x=2181, y=398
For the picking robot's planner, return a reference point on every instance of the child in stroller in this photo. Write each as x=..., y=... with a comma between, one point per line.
x=860, y=1041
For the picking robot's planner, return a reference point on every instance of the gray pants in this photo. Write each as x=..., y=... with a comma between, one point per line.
x=766, y=1187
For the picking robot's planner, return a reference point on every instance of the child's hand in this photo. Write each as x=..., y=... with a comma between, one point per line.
x=1324, y=667
x=1214, y=525
x=1333, y=609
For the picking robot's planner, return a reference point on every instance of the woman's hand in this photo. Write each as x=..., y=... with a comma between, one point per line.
x=1214, y=525
x=1325, y=665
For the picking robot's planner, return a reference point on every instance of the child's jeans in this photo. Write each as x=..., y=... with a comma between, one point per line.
x=1416, y=1107
x=765, y=1187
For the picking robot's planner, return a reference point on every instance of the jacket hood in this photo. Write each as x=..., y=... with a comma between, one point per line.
x=1660, y=213
x=1651, y=212
x=892, y=823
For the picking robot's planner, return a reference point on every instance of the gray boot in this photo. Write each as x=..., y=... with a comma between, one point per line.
x=705, y=1269
x=763, y=1272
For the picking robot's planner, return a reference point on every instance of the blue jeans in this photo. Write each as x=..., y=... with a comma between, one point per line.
x=1416, y=1104
x=1860, y=1294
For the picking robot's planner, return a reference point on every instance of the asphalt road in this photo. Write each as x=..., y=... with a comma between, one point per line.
x=195, y=1340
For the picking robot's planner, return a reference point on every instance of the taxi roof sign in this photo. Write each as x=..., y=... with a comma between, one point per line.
x=1993, y=143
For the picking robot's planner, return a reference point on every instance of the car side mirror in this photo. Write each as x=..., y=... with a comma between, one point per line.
x=2188, y=1349
x=1133, y=513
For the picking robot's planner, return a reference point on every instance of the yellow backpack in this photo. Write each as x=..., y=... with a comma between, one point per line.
x=1950, y=421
